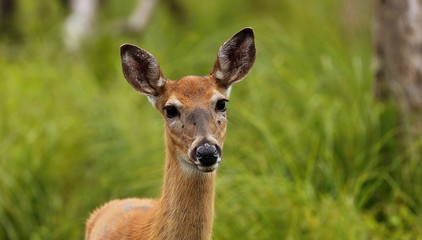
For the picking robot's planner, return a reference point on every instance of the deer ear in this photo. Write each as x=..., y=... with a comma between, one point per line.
x=141, y=70
x=235, y=58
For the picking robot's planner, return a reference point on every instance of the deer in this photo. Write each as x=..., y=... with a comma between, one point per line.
x=195, y=122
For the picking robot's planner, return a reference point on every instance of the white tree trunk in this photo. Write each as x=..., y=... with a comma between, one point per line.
x=398, y=46
x=80, y=22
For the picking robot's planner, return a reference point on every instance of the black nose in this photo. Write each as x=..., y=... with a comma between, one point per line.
x=207, y=154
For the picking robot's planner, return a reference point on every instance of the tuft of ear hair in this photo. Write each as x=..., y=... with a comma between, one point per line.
x=235, y=58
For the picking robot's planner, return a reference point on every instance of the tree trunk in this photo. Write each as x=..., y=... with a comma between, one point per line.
x=398, y=46
x=7, y=10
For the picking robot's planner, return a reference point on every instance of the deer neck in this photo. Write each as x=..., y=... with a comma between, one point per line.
x=187, y=202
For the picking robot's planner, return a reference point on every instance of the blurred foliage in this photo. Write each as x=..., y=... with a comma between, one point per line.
x=309, y=153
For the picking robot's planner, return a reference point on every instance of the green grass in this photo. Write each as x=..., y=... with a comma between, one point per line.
x=309, y=153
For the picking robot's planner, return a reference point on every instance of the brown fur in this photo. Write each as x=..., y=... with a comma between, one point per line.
x=185, y=209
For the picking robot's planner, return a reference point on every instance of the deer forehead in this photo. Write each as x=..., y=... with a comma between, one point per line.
x=192, y=92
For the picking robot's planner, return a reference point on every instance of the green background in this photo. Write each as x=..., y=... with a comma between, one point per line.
x=309, y=154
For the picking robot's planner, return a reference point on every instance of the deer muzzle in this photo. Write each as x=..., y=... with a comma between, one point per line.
x=207, y=157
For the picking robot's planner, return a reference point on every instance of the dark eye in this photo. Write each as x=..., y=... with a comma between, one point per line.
x=221, y=105
x=171, y=111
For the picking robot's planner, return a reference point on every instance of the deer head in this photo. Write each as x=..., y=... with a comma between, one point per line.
x=193, y=107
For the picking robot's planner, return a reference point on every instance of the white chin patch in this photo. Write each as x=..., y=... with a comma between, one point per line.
x=187, y=166
x=208, y=168
x=195, y=168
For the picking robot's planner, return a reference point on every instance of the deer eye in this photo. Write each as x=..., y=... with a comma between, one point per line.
x=171, y=111
x=221, y=105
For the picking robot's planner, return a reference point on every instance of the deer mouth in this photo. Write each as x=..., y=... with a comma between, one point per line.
x=207, y=168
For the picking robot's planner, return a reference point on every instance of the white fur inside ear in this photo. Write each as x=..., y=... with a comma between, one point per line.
x=152, y=99
x=218, y=74
x=223, y=59
x=249, y=41
x=161, y=82
x=228, y=91
x=127, y=59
